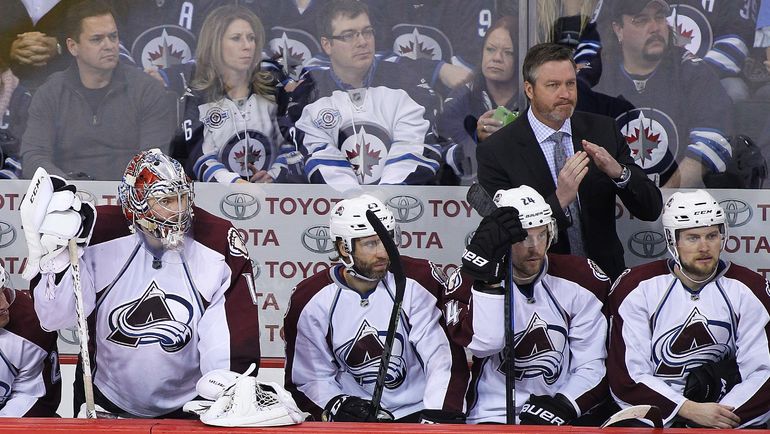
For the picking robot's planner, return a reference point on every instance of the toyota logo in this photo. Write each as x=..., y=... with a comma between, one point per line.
x=737, y=212
x=316, y=239
x=407, y=208
x=69, y=336
x=239, y=206
x=647, y=244
x=87, y=196
x=7, y=234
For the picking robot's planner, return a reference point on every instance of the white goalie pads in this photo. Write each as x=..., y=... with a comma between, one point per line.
x=242, y=401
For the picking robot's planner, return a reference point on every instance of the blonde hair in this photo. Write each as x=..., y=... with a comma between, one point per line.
x=549, y=10
x=209, y=60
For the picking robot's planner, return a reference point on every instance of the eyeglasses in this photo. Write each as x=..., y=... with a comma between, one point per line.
x=351, y=35
x=643, y=20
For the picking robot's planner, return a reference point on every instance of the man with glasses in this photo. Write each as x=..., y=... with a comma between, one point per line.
x=30, y=378
x=363, y=121
x=677, y=133
x=337, y=324
x=556, y=307
x=690, y=334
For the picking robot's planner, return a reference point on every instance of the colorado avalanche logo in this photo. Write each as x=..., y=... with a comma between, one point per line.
x=155, y=318
x=652, y=136
x=246, y=155
x=421, y=42
x=362, y=356
x=293, y=48
x=163, y=46
x=692, y=29
x=539, y=351
x=697, y=341
x=366, y=149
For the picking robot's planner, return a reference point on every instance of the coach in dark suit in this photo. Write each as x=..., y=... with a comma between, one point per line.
x=578, y=161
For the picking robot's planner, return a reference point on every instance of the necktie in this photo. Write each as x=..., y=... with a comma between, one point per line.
x=574, y=232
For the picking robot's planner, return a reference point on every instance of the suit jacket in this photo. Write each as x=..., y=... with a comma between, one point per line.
x=512, y=157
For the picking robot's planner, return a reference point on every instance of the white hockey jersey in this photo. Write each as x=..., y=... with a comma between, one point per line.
x=30, y=379
x=158, y=324
x=559, y=333
x=334, y=340
x=660, y=331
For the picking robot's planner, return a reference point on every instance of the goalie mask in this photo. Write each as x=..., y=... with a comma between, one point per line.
x=533, y=210
x=348, y=222
x=691, y=210
x=157, y=196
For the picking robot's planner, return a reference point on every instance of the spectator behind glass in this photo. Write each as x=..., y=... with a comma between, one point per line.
x=14, y=103
x=229, y=128
x=364, y=121
x=675, y=134
x=474, y=104
x=32, y=39
x=86, y=121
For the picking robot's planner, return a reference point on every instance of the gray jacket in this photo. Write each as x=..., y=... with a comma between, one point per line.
x=66, y=137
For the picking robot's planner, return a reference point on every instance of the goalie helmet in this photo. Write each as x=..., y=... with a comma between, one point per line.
x=533, y=210
x=691, y=210
x=150, y=179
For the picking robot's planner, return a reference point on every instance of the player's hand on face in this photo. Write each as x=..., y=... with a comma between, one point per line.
x=487, y=125
x=710, y=414
x=603, y=160
x=570, y=177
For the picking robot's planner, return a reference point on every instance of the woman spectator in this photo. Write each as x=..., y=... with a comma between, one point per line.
x=468, y=112
x=229, y=130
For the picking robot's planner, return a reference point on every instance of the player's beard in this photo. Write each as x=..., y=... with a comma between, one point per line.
x=368, y=269
x=654, y=56
x=696, y=271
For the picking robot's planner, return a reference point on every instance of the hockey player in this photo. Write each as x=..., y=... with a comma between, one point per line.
x=687, y=329
x=30, y=379
x=168, y=295
x=556, y=310
x=364, y=121
x=338, y=320
x=672, y=133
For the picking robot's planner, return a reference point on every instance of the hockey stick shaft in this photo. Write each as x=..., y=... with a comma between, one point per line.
x=400, y=278
x=479, y=199
x=88, y=385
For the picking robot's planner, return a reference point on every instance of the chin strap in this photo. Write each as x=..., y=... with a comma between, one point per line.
x=697, y=282
x=351, y=268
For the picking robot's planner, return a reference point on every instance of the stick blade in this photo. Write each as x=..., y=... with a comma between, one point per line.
x=480, y=200
x=647, y=414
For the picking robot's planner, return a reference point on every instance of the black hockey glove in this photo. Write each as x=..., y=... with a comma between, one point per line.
x=485, y=255
x=710, y=382
x=547, y=410
x=346, y=408
x=441, y=416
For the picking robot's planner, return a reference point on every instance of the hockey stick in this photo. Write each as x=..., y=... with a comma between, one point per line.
x=649, y=413
x=479, y=199
x=398, y=275
x=88, y=385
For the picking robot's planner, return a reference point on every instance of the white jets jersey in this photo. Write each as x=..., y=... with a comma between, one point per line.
x=559, y=332
x=30, y=380
x=230, y=141
x=660, y=331
x=335, y=336
x=158, y=324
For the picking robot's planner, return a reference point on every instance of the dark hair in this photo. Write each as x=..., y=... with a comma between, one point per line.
x=333, y=9
x=542, y=53
x=76, y=13
x=507, y=22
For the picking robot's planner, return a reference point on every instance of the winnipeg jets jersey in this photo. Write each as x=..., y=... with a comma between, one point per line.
x=378, y=134
x=660, y=331
x=158, y=323
x=227, y=141
x=559, y=333
x=674, y=115
x=335, y=336
x=30, y=379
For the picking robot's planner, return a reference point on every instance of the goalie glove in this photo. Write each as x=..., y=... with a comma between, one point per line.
x=51, y=216
x=710, y=382
x=346, y=408
x=547, y=410
x=485, y=255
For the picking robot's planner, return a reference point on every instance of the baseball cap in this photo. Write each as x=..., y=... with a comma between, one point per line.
x=633, y=7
